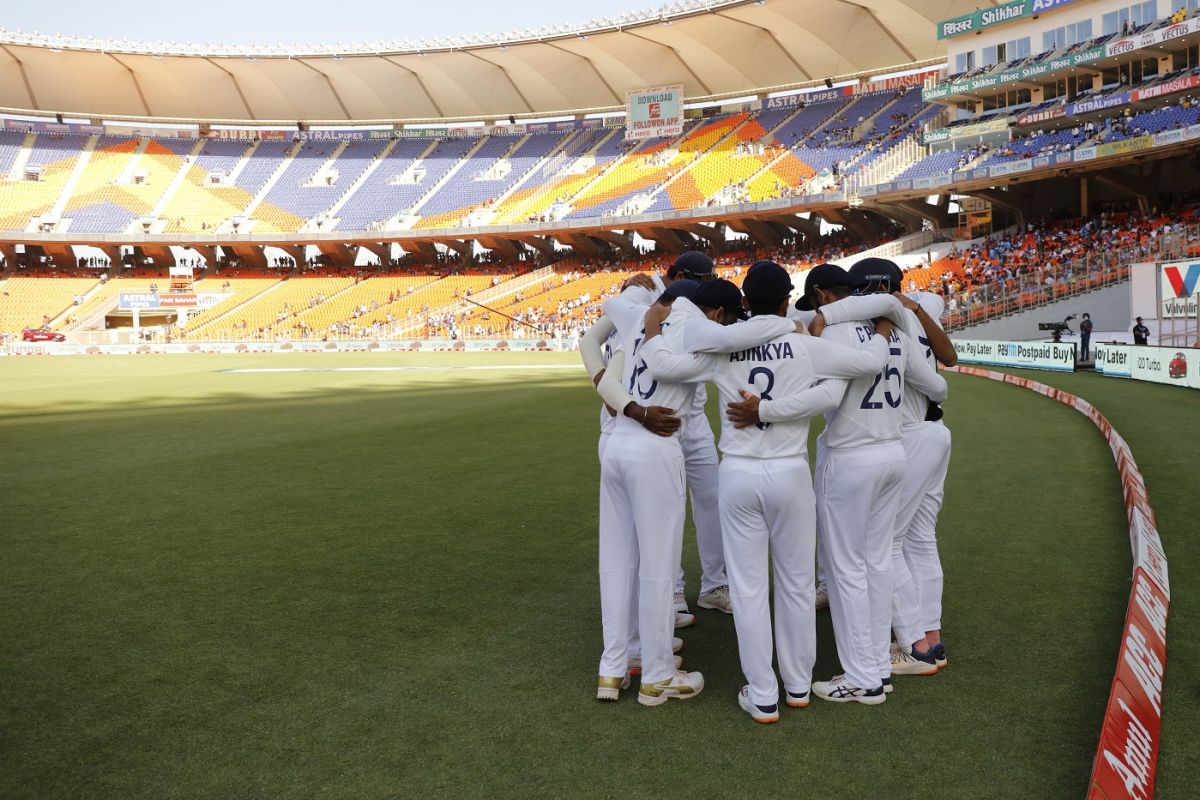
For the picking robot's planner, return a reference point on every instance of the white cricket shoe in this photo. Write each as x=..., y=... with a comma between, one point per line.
x=839, y=690
x=887, y=686
x=635, y=665
x=681, y=686
x=610, y=688
x=798, y=700
x=822, y=596
x=676, y=644
x=717, y=600
x=684, y=620
x=764, y=715
x=905, y=662
x=681, y=605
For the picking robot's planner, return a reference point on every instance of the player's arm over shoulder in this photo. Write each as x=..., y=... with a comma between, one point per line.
x=833, y=355
x=591, y=346
x=706, y=336
x=666, y=361
x=921, y=375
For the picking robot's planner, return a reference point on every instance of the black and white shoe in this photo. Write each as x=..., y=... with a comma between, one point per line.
x=939, y=655
x=840, y=690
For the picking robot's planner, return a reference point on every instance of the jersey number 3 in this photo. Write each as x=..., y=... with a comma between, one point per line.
x=765, y=394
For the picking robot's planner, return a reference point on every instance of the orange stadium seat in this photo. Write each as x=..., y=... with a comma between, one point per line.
x=27, y=301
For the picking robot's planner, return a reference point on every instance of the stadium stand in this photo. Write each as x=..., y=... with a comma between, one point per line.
x=274, y=307
x=32, y=302
x=280, y=185
x=313, y=181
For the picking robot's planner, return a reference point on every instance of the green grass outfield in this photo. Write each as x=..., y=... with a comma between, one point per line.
x=382, y=584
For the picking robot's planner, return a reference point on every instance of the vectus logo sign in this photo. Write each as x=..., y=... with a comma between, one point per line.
x=1123, y=46
x=1184, y=284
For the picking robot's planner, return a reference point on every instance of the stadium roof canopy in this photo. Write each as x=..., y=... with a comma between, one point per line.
x=718, y=49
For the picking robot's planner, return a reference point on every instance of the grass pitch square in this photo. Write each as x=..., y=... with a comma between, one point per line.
x=382, y=584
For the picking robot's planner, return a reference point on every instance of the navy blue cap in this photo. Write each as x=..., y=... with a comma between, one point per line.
x=767, y=283
x=877, y=275
x=720, y=294
x=822, y=276
x=680, y=288
x=695, y=265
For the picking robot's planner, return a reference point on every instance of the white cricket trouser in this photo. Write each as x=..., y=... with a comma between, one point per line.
x=858, y=494
x=767, y=506
x=701, y=466
x=641, y=535
x=635, y=643
x=927, y=446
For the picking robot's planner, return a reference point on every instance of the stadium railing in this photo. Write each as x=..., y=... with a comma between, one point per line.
x=1095, y=270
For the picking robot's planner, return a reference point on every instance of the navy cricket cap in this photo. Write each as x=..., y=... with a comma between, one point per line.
x=877, y=275
x=767, y=283
x=720, y=294
x=680, y=288
x=822, y=276
x=694, y=265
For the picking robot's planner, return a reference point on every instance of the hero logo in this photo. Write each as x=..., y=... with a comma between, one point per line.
x=1135, y=763
x=1183, y=285
x=1123, y=46
x=956, y=27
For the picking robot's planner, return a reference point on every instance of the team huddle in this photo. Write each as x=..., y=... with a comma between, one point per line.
x=852, y=348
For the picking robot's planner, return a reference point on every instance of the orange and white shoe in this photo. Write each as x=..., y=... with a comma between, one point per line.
x=763, y=715
x=683, y=620
x=798, y=700
x=907, y=662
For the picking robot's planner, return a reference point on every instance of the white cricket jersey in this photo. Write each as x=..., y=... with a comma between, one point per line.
x=611, y=345
x=627, y=311
x=767, y=339
x=923, y=383
x=698, y=422
x=869, y=412
x=779, y=368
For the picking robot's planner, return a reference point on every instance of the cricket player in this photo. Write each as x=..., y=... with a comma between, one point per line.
x=641, y=516
x=766, y=499
x=857, y=484
x=917, y=571
x=911, y=654
x=598, y=348
x=700, y=466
